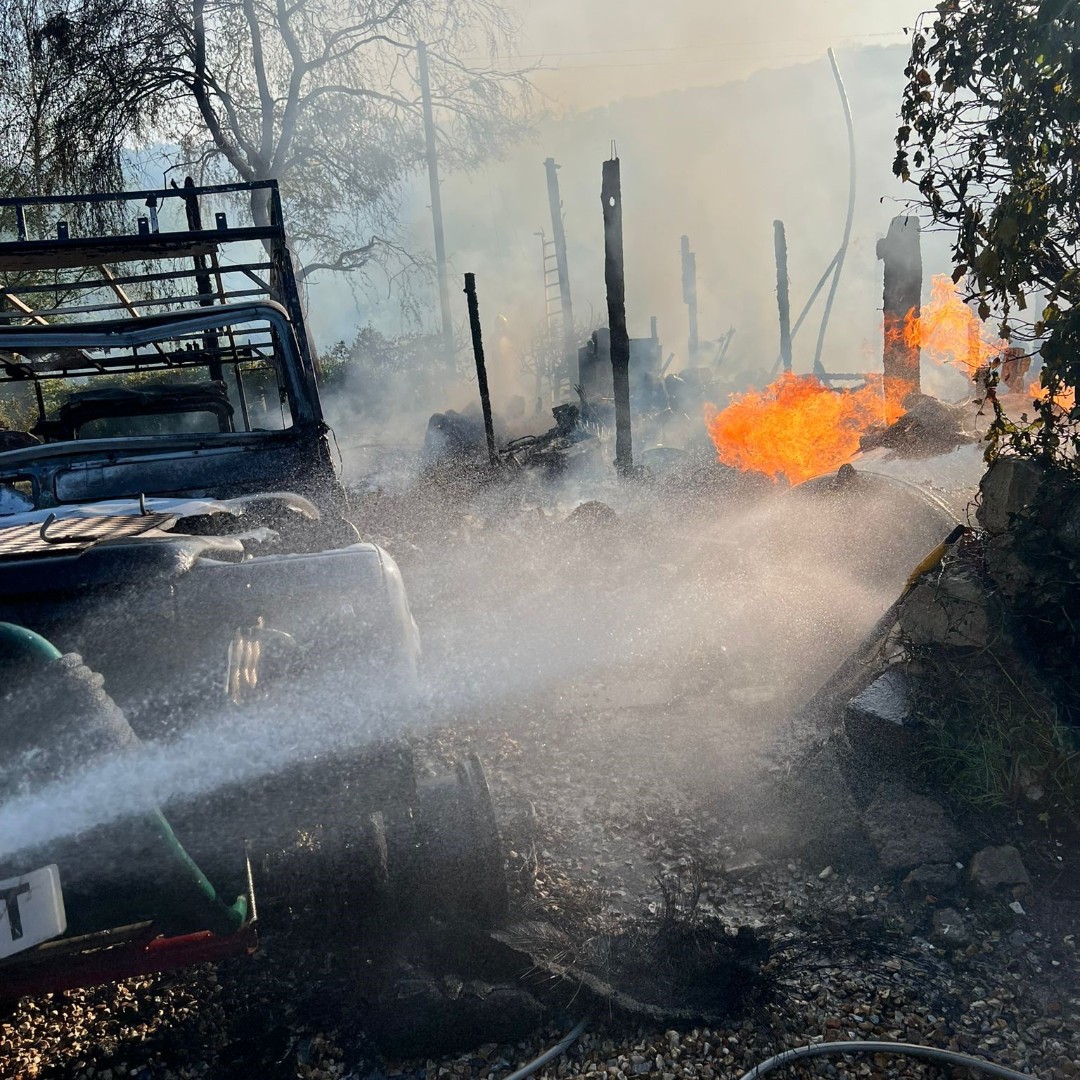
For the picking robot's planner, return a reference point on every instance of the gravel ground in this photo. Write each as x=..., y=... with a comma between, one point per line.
x=649, y=756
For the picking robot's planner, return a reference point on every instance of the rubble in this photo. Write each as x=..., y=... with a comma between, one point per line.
x=929, y=427
x=592, y=514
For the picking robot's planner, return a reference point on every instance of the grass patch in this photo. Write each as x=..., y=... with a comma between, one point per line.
x=993, y=736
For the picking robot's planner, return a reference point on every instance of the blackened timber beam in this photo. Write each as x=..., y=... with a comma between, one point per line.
x=481, y=367
x=901, y=252
x=615, y=280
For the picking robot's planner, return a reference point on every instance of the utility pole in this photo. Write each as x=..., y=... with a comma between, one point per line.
x=689, y=295
x=436, y=208
x=782, y=297
x=558, y=236
x=615, y=279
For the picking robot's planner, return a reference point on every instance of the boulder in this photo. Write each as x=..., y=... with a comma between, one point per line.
x=814, y=812
x=950, y=930
x=878, y=722
x=999, y=869
x=908, y=830
x=1067, y=532
x=1006, y=565
x=952, y=608
x=1009, y=487
x=932, y=880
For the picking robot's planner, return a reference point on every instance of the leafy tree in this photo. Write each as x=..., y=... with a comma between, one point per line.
x=991, y=135
x=80, y=80
x=320, y=95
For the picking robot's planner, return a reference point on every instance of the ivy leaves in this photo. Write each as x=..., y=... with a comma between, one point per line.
x=990, y=135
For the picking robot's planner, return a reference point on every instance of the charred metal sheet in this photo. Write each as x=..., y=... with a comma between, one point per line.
x=70, y=533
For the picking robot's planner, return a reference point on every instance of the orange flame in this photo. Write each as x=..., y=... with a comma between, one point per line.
x=798, y=428
x=1065, y=401
x=947, y=330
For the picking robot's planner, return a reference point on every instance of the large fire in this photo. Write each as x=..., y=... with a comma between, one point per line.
x=948, y=331
x=798, y=428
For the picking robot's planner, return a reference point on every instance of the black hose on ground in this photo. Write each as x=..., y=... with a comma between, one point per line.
x=547, y=1056
x=930, y=1053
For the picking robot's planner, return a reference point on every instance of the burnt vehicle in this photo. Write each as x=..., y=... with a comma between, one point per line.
x=176, y=558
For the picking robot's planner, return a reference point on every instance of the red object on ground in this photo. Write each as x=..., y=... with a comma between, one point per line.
x=115, y=955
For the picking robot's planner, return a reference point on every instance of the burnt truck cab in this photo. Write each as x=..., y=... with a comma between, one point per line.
x=170, y=512
x=195, y=486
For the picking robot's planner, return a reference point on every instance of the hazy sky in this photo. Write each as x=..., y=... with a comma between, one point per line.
x=599, y=51
x=709, y=149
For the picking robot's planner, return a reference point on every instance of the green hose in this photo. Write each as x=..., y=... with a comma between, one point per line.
x=19, y=645
x=165, y=881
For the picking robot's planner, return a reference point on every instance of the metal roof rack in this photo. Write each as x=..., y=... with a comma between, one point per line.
x=63, y=280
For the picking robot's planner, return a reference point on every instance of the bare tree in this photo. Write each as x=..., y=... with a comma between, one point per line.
x=320, y=95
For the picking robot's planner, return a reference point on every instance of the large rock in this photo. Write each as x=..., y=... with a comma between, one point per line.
x=813, y=812
x=1010, y=486
x=1005, y=563
x=952, y=608
x=1067, y=532
x=878, y=721
x=908, y=830
x=950, y=930
x=1000, y=869
x=932, y=880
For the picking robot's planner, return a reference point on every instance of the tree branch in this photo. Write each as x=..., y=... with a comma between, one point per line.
x=266, y=100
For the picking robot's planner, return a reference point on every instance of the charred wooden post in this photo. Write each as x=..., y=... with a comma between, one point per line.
x=783, y=300
x=900, y=251
x=481, y=367
x=689, y=292
x=615, y=280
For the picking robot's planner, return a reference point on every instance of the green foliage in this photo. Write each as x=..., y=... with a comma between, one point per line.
x=82, y=79
x=990, y=134
x=376, y=375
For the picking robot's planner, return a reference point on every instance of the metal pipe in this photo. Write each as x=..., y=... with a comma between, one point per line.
x=615, y=280
x=840, y=255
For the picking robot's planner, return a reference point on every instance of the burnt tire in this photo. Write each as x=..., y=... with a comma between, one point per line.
x=459, y=869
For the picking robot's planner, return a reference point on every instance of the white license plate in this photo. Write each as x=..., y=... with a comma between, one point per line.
x=31, y=910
